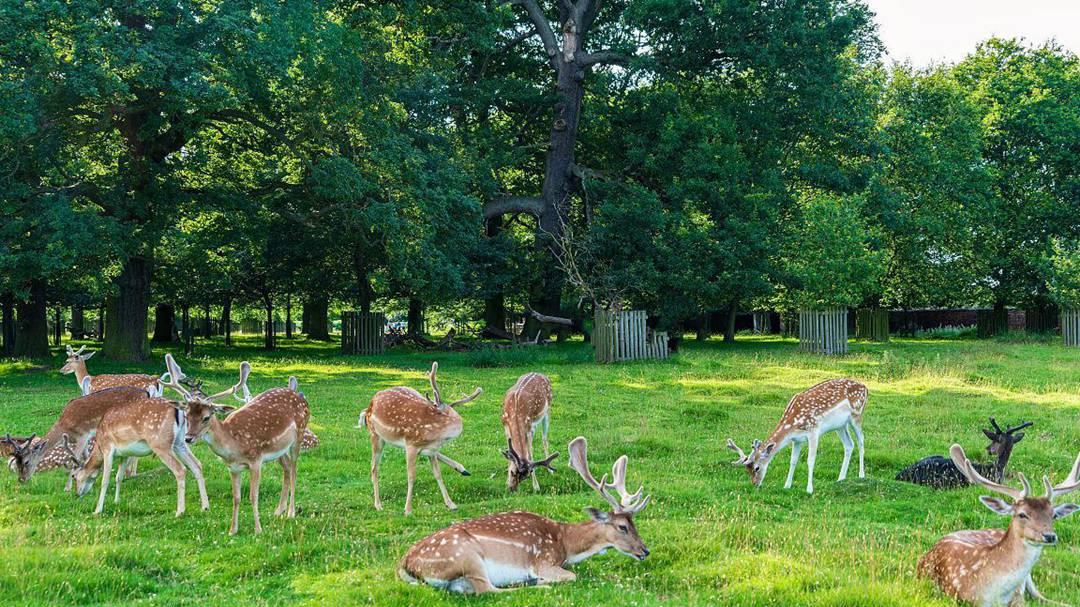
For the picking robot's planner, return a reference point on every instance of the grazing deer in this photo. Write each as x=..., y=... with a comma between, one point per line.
x=515, y=548
x=941, y=473
x=831, y=406
x=993, y=566
x=268, y=427
x=421, y=426
x=79, y=421
x=526, y=405
x=76, y=363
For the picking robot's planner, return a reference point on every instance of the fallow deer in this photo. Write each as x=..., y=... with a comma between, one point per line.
x=831, y=406
x=76, y=363
x=991, y=567
x=941, y=473
x=79, y=421
x=405, y=418
x=526, y=406
x=268, y=427
x=516, y=548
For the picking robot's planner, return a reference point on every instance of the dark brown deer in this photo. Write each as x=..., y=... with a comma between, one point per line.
x=941, y=473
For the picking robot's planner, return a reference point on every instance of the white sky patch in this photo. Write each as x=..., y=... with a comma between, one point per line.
x=936, y=31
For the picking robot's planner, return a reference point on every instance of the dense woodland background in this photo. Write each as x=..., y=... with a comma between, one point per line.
x=469, y=160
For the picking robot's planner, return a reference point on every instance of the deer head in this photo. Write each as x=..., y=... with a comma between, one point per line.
x=522, y=467
x=75, y=359
x=25, y=455
x=1002, y=441
x=1032, y=517
x=617, y=525
x=200, y=408
x=757, y=463
x=82, y=475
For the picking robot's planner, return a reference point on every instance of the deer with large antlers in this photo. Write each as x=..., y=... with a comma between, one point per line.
x=405, y=418
x=941, y=473
x=991, y=567
x=79, y=421
x=266, y=428
x=526, y=406
x=76, y=363
x=517, y=548
x=831, y=406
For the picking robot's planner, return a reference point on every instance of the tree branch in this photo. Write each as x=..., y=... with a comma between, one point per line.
x=513, y=205
x=543, y=29
x=603, y=57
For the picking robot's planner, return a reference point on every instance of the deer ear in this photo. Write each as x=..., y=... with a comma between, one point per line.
x=1065, y=510
x=179, y=405
x=990, y=435
x=997, y=505
x=223, y=408
x=598, y=515
x=768, y=449
x=89, y=355
x=1017, y=438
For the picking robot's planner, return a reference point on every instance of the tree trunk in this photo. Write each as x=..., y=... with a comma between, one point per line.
x=125, y=331
x=78, y=322
x=7, y=302
x=416, y=317
x=226, y=320
x=101, y=323
x=164, y=324
x=207, y=326
x=32, y=336
x=495, y=302
x=704, y=330
x=288, y=317
x=185, y=328
x=729, y=327
x=363, y=281
x=268, y=339
x=316, y=318
x=58, y=325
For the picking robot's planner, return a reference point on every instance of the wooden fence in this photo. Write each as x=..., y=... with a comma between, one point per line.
x=362, y=332
x=872, y=324
x=623, y=336
x=1070, y=327
x=763, y=322
x=989, y=323
x=824, y=331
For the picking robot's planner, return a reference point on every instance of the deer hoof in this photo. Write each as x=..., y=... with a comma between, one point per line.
x=465, y=472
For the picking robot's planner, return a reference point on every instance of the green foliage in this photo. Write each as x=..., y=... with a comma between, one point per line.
x=1063, y=273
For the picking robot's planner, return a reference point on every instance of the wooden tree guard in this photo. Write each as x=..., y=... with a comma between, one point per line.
x=823, y=331
x=623, y=336
x=763, y=322
x=362, y=332
x=1070, y=327
x=989, y=323
x=872, y=324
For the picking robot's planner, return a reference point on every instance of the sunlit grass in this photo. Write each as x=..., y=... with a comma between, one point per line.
x=714, y=539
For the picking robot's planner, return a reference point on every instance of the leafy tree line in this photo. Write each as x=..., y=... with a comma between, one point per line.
x=414, y=154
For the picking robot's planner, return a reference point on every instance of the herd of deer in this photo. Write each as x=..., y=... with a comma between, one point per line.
x=127, y=416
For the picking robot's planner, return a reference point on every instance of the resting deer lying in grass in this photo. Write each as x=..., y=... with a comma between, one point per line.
x=76, y=363
x=516, y=548
x=941, y=473
x=993, y=567
x=526, y=405
x=79, y=421
x=268, y=427
x=831, y=406
x=421, y=426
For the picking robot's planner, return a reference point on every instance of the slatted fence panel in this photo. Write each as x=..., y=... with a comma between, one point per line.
x=1070, y=327
x=823, y=331
x=624, y=336
x=362, y=332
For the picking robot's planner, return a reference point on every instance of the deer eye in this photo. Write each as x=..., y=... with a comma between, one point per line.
x=623, y=529
x=1023, y=515
x=206, y=418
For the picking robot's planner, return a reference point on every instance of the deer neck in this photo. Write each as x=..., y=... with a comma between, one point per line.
x=80, y=373
x=1013, y=556
x=221, y=440
x=582, y=540
x=517, y=427
x=1002, y=461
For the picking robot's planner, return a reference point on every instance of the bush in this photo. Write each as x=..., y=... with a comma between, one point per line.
x=948, y=332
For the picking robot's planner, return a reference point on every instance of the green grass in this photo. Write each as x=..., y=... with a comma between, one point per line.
x=714, y=539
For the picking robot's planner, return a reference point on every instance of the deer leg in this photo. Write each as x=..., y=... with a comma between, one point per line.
x=849, y=446
x=811, y=457
x=859, y=441
x=119, y=477
x=796, y=449
x=254, y=477
x=456, y=466
x=528, y=456
x=410, y=468
x=283, y=502
x=172, y=463
x=376, y=455
x=193, y=464
x=1029, y=585
x=294, y=462
x=438, y=479
x=235, y=502
x=131, y=467
x=545, y=425
x=552, y=575
x=106, y=471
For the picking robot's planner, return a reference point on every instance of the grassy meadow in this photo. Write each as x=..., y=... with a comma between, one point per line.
x=715, y=540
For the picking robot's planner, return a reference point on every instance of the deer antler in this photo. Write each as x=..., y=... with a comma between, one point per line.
x=1020, y=427
x=71, y=452
x=437, y=397
x=245, y=370
x=1070, y=484
x=176, y=377
x=964, y=464
x=579, y=461
x=524, y=465
x=742, y=456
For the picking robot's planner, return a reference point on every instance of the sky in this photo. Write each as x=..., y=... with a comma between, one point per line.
x=927, y=31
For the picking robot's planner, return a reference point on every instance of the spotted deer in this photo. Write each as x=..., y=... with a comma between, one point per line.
x=519, y=548
x=76, y=363
x=831, y=406
x=266, y=428
x=990, y=567
x=526, y=406
x=79, y=421
x=405, y=418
